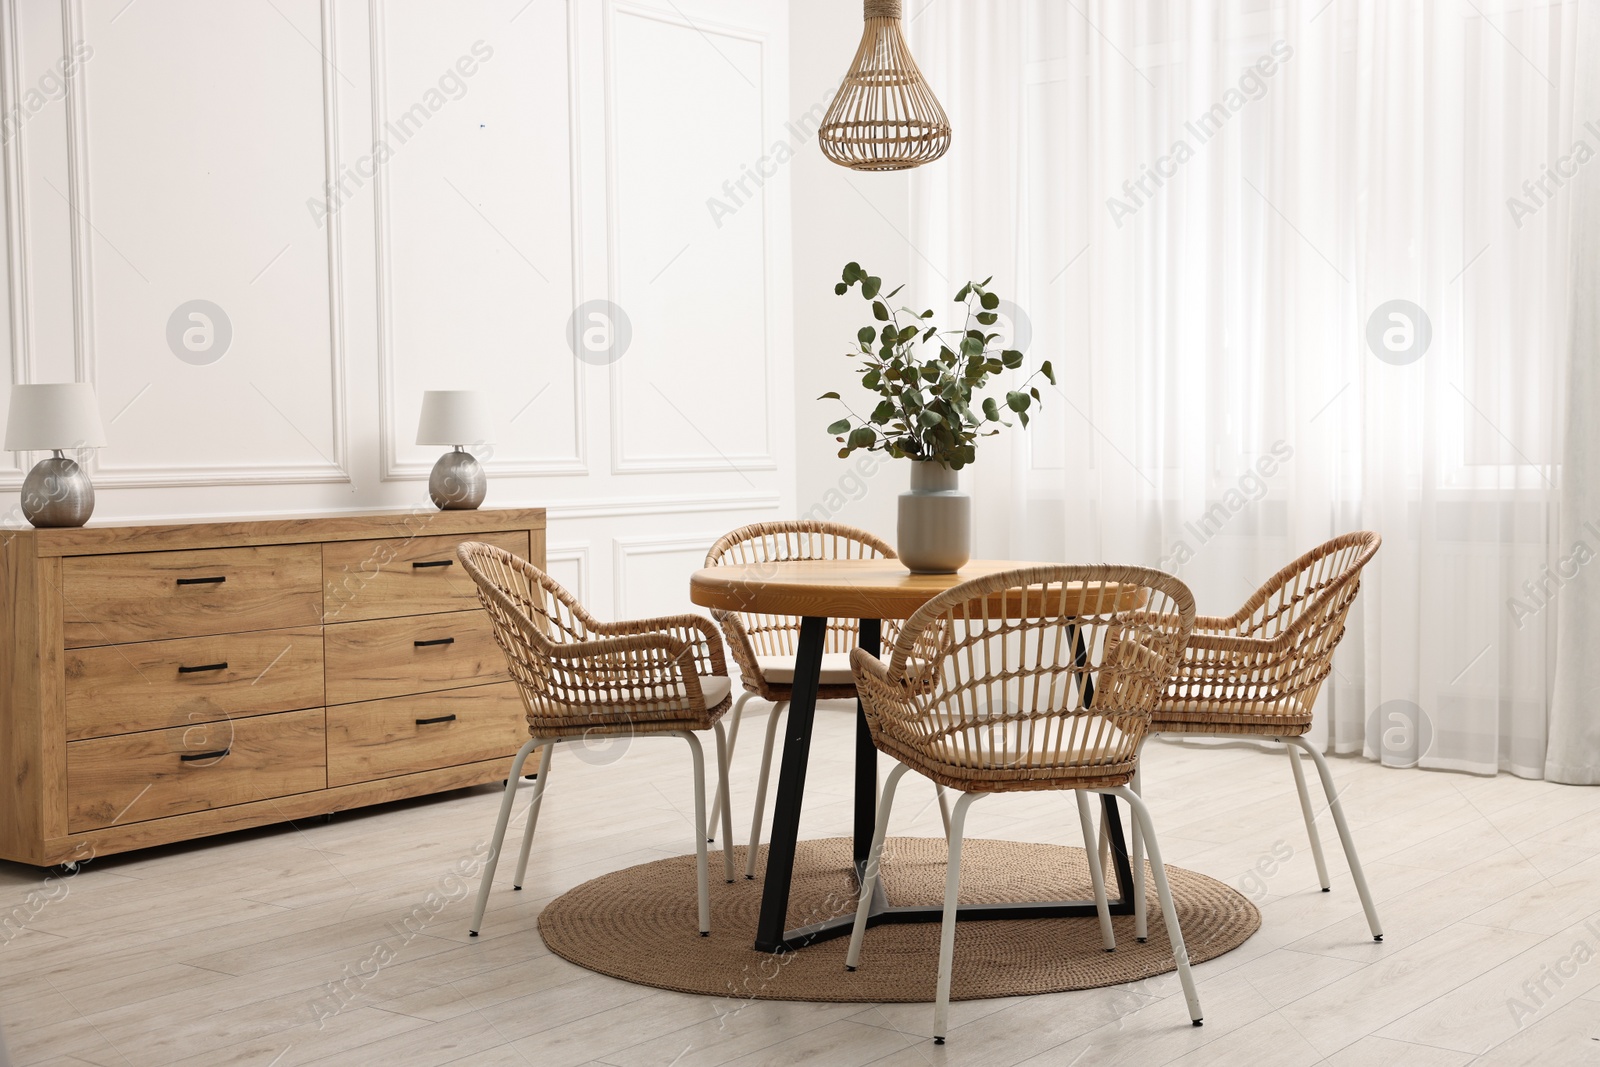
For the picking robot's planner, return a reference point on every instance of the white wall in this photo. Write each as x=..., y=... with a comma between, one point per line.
x=390, y=196
x=839, y=216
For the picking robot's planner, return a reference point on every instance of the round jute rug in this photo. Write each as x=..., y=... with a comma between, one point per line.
x=638, y=924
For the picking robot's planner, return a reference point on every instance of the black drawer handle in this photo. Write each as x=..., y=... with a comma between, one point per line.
x=214, y=580
x=435, y=641
x=204, y=667
x=190, y=757
x=441, y=718
x=434, y=563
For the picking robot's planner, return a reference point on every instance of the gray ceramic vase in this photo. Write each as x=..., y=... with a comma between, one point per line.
x=935, y=535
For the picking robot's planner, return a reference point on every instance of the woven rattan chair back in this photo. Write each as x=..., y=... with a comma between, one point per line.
x=1038, y=678
x=549, y=640
x=754, y=634
x=1271, y=656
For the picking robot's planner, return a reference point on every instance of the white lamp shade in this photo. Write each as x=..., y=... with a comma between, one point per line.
x=63, y=415
x=455, y=417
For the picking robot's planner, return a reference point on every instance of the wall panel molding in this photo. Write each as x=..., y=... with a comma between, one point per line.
x=687, y=463
x=624, y=549
x=391, y=467
x=333, y=468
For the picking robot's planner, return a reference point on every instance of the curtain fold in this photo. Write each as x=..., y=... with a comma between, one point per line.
x=1301, y=268
x=1574, y=751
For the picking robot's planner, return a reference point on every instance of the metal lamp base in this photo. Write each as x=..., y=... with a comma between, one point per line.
x=57, y=493
x=458, y=482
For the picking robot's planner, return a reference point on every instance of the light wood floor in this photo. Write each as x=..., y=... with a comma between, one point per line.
x=223, y=952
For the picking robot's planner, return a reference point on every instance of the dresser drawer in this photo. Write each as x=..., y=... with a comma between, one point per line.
x=121, y=689
x=151, y=596
x=192, y=768
x=419, y=654
x=383, y=738
x=402, y=576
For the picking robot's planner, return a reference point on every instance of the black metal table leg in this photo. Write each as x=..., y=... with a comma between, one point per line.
x=866, y=760
x=791, y=787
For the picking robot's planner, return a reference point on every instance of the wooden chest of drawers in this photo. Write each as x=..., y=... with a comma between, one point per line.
x=165, y=682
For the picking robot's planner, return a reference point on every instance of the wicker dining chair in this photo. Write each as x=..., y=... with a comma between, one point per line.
x=1256, y=673
x=581, y=678
x=764, y=646
x=1033, y=679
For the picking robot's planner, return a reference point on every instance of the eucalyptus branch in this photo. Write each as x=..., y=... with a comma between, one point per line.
x=925, y=410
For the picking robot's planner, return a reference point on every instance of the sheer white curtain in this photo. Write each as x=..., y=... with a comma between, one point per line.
x=1202, y=211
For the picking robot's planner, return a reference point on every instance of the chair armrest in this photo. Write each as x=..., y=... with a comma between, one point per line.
x=696, y=632
x=1216, y=623
x=1212, y=641
x=738, y=638
x=656, y=660
x=864, y=662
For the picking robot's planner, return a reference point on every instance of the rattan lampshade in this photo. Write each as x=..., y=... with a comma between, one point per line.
x=884, y=116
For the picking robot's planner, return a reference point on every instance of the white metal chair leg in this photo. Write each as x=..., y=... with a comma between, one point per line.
x=944, y=809
x=493, y=858
x=761, y=787
x=701, y=878
x=1169, y=914
x=533, y=816
x=1097, y=873
x=1141, y=918
x=724, y=751
x=869, y=878
x=947, y=929
x=1344, y=833
x=734, y=718
x=1311, y=817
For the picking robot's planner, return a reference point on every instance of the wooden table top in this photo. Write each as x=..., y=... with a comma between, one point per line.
x=843, y=588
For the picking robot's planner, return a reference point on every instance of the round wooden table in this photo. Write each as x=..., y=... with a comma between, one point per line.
x=869, y=590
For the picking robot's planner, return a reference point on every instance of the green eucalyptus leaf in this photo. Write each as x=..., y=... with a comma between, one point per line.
x=883, y=412
x=930, y=373
x=1011, y=358
x=989, y=279
x=871, y=378
x=880, y=311
x=1017, y=401
x=971, y=346
x=1048, y=371
x=842, y=426
x=988, y=318
x=829, y=396
x=929, y=418
x=906, y=334
x=1034, y=392
x=890, y=294
x=989, y=301
x=852, y=272
x=863, y=437
x=1022, y=416
x=870, y=287
x=866, y=334
x=991, y=409
x=965, y=291
x=928, y=333
x=840, y=289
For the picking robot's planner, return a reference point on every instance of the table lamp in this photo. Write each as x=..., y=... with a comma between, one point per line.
x=56, y=492
x=454, y=417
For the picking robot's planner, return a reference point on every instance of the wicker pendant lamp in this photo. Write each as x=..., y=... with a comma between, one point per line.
x=884, y=116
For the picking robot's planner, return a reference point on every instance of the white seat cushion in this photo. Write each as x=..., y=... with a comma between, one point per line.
x=779, y=670
x=715, y=688
x=1013, y=743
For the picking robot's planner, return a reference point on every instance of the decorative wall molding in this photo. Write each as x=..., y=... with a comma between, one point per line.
x=334, y=468
x=619, y=507
x=576, y=553
x=391, y=467
x=625, y=548
x=715, y=461
x=17, y=262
